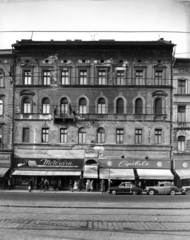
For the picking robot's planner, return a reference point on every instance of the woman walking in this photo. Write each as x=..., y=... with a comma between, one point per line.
x=102, y=186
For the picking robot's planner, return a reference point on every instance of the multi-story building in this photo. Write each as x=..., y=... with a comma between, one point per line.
x=6, y=115
x=93, y=109
x=181, y=120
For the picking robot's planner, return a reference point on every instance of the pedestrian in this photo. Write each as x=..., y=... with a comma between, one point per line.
x=88, y=185
x=41, y=184
x=46, y=185
x=59, y=184
x=75, y=185
x=92, y=185
x=102, y=186
x=30, y=184
x=80, y=184
x=10, y=183
x=71, y=185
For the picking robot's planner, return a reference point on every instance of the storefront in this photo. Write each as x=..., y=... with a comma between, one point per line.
x=182, y=171
x=5, y=164
x=53, y=165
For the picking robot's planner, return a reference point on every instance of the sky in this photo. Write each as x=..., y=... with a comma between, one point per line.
x=94, y=17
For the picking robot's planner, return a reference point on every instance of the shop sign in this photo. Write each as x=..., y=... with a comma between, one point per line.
x=181, y=164
x=124, y=163
x=5, y=160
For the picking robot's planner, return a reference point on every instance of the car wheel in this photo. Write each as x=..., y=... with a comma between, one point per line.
x=114, y=192
x=134, y=192
x=188, y=192
x=151, y=192
x=172, y=192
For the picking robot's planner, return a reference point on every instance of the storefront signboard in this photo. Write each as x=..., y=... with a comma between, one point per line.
x=5, y=160
x=134, y=164
x=181, y=164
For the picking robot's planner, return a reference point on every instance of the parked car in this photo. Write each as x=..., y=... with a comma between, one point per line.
x=162, y=188
x=185, y=190
x=125, y=187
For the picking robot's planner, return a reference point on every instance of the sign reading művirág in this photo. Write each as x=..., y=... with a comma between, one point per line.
x=5, y=160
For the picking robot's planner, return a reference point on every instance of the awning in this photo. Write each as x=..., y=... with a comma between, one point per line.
x=120, y=174
x=3, y=171
x=157, y=174
x=46, y=173
x=90, y=171
x=183, y=173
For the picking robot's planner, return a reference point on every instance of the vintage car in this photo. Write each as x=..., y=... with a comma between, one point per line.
x=185, y=190
x=125, y=187
x=162, y=188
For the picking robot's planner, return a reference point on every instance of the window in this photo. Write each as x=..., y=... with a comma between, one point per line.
x=27, y=77
x=181, y=86
x=120, y=106
x=101, y=106
x=181, y=113
x=119, y=135
x=138, y=106
x=82, y=106
x=102, y=77
x=25, y=135
x=158, y=136
x=64, y=106
x=139, y=77
x=120, y=77
x=138, y=136
x=45, y=135
x=63, y=135
x=82, y=135
x=27, y=108
x=1, y=107
x=83, y=77
x=2, y=83
x=46, y=77
x=65, y=77
x=158, y=107
x=101, y=135
x=46, y=106
x=181, y=143
x=158, y=77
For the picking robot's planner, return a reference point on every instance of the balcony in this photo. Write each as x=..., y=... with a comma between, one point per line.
x=64, y=117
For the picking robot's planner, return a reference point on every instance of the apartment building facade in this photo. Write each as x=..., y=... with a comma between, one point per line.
x=93, y=110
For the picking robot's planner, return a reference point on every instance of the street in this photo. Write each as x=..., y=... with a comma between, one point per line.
x=49, y=215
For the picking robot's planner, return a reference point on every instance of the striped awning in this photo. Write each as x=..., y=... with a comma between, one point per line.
x=156, y=174
x=3, y=171
x=90, y=171
x=120, y=174
x=46, y=173
x=183, y=173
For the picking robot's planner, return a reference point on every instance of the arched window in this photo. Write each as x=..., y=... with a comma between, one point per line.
x=82, y=135
x=1, y=107
x=101, y=106
x=64, y=108
x=138, y=106
x=101, y=135
x=181, y=143
x=27, y=106
x=46, y=105
x=2, y=79
x=158, y=106
x=82, y=106
x=120, y=106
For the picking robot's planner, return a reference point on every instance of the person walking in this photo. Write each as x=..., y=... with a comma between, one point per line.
x=88, y=185
x=71, y=185
x=80, y=185
x=92, y=185
x=41, y=184
x=10, y=183
x=30, y=184
x=46, y=185
x=103, y=186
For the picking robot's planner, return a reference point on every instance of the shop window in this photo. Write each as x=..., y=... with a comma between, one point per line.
x=120, y=77
x=45, y=135
x=158, y=136
x=27, y=77
x=65, y=77
x=138, y=136
x=101, y=106
x=82, y=135
x=181, y=86
x=2, y=79
x=120, y=106
x=82, y=106
x=181, y=114
x=158, y=106
x=25, y=134
x=102, y=77
x=1, y=107
x=181, y=143
x=83, y=75
x=46, y=106
x=63, y=135
x=64, y=106
x=27, y=106
x=101, y=135
x=46, y=77
x=138, y=106
x=119, y=135
x=158, y=77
